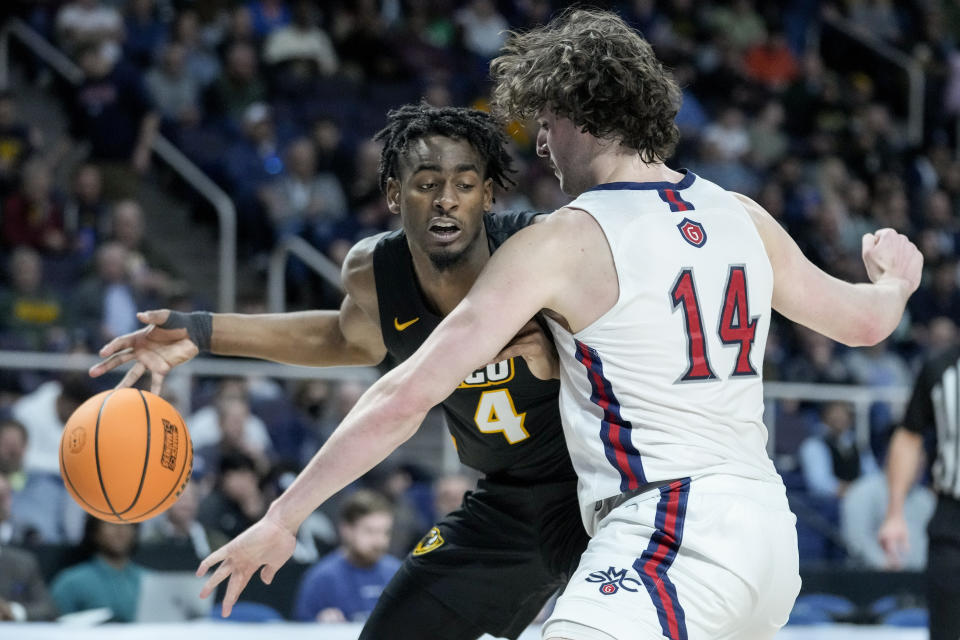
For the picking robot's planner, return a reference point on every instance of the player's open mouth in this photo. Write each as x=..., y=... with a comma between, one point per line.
x=444, y=229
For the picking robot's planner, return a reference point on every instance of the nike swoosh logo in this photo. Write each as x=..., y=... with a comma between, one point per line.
x=401, y=327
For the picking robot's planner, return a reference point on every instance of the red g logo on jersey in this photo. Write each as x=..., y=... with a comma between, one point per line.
x=692, y=232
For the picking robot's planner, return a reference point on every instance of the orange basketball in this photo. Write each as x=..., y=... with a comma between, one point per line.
x=125, y=455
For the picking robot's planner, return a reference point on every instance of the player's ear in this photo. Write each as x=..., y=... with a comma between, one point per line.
x=488, y=194
x=393, y=195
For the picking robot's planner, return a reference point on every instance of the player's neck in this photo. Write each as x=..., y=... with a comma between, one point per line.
x=443, y=289
x=621, y=165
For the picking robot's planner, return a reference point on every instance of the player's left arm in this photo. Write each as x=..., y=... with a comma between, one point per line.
x=854, y=314
x=526, y=274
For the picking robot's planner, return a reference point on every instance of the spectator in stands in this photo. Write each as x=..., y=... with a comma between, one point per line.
x=739, y=23
x=816, y=362
x=108, y=578
x=13, y=448
x=345, y=585
x=940, y=296
x=251, y=163
x=112, y=110
x=32, y=315
x=42, y=509
x=448, y=493
x=202, y=65
x=484, y=28
x=830, y=459
x=105, y=304
x=729, y=135
x=236, y=89
x=334, y=154
x=33, y=215
x=301, y=49
x=237, y=500
x=145, y=33
x=268, y=16
x=303, y=202
x=18, y=141
x=153, y=276
x=312, y=399
x=204, y=423
x=232, y=416
x=366, y=47
x=85, y=212
x=89, y=23
x=394, y=480
x=179, y=524
x=175, y=92
x=768, y=141
x=23, y=594
x=771, y=63
x=863, y=509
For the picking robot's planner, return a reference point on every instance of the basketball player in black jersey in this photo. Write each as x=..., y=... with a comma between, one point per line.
x=489, y=566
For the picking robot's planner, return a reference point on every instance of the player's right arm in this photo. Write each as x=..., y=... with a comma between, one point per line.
x=349, y=336
x=854, y=314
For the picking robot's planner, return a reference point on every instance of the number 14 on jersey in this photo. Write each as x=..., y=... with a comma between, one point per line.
x=735, y=327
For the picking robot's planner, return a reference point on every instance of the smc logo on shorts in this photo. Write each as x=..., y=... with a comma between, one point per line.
x=693, y=232
x=612, y=579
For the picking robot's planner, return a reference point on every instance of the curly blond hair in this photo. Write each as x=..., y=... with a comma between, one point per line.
x=592, y=68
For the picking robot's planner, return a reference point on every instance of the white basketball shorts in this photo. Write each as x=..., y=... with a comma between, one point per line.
x=709, y=559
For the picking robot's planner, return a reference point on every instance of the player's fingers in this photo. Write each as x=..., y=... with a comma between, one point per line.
x=154, y=316
x=209, y=561
x=511, y=351
x=155, y=363
x=221, y=574
x=267, y=574
x=156, y=382
x=114, y=361
x=117, y=344
x=867, y=242
x=238, y=581
x=131, y=377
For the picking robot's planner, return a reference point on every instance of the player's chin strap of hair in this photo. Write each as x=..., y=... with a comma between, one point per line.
x=199, y=326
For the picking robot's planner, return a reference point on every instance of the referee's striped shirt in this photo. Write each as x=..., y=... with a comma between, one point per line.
x=935, y=406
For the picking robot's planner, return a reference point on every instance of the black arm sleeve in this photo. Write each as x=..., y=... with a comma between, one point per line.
x=919, y=417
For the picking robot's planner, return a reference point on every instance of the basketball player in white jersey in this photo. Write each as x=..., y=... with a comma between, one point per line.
x=658, y=286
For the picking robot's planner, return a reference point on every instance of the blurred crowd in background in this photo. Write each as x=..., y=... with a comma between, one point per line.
x=277, y=102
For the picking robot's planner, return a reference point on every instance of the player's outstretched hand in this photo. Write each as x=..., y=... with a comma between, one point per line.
x=895, y=540
x=888, y=254
x=536, y=348
x=266, y=544
x=154, y=348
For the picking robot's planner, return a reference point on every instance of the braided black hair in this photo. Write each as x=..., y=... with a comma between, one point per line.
x=413, y=122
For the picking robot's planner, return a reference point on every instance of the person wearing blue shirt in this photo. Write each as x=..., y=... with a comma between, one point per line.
x=345, y=584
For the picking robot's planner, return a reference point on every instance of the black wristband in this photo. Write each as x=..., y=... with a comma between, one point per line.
x=199, y=326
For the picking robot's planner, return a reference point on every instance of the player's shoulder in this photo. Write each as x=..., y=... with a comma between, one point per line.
x=357, y=271
x=359, y=259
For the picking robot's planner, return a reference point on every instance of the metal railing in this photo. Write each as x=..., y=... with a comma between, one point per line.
x=861, y=398
x=180, y=380
x=179, y=163
x=912, y=68
x=276, y=275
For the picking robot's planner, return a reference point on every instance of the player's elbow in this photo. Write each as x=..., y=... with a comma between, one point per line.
x=871, y=331
x=404, y=405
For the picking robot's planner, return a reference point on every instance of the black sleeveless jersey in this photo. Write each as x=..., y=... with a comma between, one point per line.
x=504, y=421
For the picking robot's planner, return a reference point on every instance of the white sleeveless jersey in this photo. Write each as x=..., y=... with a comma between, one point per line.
x=667, y=383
